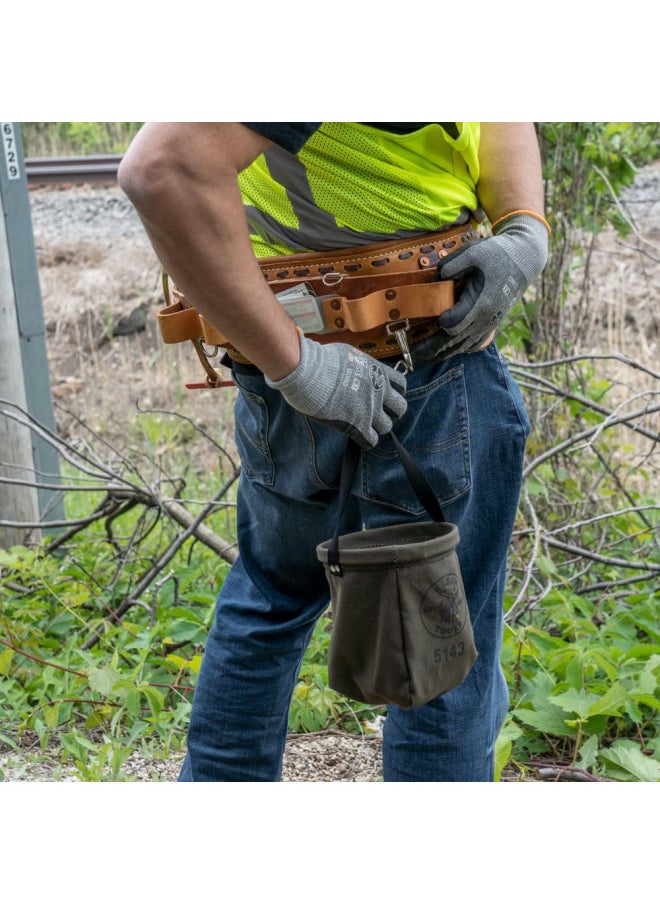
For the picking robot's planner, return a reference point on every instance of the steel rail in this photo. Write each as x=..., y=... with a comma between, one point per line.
x=65, y=170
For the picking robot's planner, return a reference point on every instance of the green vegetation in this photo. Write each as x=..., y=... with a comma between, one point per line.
x=76, y=139
x=102, y=631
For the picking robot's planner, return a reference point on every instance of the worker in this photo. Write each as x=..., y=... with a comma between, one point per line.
x=216, y=200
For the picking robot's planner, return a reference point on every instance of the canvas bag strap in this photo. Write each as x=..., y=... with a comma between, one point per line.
x=415, y=475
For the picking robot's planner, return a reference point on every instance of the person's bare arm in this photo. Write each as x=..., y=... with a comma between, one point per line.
x=510, y=163
x=497, y=270
x=182, y=180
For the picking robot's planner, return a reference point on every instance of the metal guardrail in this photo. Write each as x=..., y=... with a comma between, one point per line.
x=64, y=170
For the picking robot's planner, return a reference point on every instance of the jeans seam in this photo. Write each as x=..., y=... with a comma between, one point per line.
x=503, y=369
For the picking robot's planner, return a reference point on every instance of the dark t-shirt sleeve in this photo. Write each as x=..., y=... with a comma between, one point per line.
x=288, y=135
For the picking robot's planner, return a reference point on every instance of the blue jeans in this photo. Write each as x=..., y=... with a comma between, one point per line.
x=466, y=426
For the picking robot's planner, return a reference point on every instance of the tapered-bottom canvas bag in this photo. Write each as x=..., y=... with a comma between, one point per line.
x=401, y=630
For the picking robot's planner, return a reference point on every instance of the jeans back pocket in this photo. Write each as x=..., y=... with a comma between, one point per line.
x=435, y=431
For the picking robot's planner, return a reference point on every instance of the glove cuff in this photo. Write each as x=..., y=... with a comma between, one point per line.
x=527, y=242
x=303, y=385
x=529, y=213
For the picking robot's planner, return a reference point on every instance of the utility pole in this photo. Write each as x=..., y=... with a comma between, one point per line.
x=26, y=458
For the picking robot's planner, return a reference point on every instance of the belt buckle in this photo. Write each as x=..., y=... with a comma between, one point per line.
x=399, y=329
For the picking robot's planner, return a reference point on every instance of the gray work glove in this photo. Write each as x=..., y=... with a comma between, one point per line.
x=496, y=270
x=340, y=386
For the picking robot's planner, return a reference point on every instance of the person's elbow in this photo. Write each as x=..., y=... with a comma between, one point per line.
x=145, y=174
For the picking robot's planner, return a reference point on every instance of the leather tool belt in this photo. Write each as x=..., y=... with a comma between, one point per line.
x=378, y=298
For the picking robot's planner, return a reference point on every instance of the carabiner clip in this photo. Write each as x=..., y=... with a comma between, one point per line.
x=399, y=328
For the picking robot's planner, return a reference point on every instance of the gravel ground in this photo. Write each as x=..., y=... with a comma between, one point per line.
x=323, y=757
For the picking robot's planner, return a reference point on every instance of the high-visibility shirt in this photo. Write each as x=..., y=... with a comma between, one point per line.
x=330, y=185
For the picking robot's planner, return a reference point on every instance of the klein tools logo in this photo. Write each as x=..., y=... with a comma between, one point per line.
x=361, y=368
x=443, y=609
x=377, y=378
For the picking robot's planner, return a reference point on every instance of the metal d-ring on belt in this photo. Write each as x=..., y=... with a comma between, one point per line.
x=379, y=298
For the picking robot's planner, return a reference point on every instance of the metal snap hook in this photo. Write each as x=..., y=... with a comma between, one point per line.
x=399, y=328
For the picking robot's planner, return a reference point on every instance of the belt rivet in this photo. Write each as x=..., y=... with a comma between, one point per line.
x=335, y=304
x=424, y=261
x=390, y=295
x=394, y=314
x=339, y=323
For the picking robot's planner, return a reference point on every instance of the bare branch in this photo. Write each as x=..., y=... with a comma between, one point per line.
x=587, y=434
x=611, y=356
x=605, y=560
x=228, y=553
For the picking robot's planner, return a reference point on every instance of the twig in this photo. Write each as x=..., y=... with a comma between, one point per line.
x=560, y=773
x=583, y=553
x=613, y=356
x=195, y=525
x=587, y=434
x=609, y=585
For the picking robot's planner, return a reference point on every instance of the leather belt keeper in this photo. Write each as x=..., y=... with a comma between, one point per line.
x=361, y=291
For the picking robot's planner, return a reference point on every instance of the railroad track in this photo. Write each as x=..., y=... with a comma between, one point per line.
x=67, y=170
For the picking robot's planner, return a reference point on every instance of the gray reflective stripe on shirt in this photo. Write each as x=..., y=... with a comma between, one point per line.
x=317, y=229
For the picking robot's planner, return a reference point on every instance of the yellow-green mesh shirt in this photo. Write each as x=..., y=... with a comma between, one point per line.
x=354, y=183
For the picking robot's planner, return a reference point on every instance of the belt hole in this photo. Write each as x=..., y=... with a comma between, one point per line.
x=448, y=244
x=365, y=346
x=381, y=262
x=426, y=248
x=326, y=269
x=303, y=271
x=420, y=331
x=405, y=255
x=282, y=274
x=392, y=341
x=351, y=268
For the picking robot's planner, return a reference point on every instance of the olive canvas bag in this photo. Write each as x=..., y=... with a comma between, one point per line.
x=401, y=629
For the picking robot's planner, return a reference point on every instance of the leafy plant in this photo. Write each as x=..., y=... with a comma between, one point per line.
x=314, y=705
x=63, y=139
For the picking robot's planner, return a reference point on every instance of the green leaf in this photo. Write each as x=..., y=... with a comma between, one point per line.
x=548, y=721
x=153, y=697
x=629, y=757
x=73, y=593
x=17, y=558
x=132, y=702
x=102, y=680
x=575, y=670
x=575, y=701
x=611, y=703
x=184, y=630
x=5, y=661
x=503, y=746
x=99, y=716
x=503, y=750
x=647, y=700
x=51, y=716
x=588, y=753
x=546, y=565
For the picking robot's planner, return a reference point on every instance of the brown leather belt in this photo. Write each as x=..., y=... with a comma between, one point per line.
x=379, y=297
